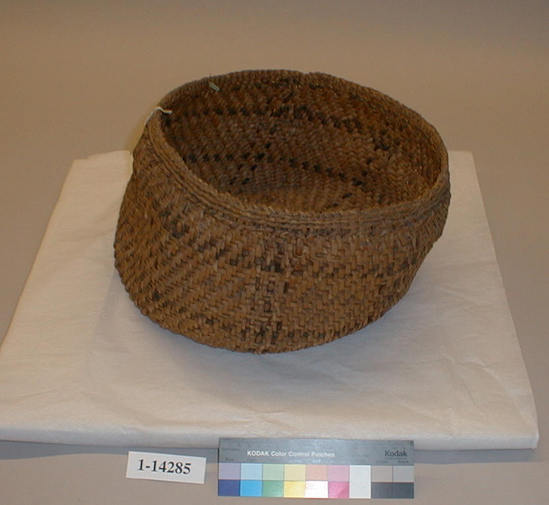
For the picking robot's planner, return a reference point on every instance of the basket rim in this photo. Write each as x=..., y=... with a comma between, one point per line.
x=234, y=207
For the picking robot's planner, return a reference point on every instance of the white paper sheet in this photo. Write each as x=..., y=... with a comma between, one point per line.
x=80, y=364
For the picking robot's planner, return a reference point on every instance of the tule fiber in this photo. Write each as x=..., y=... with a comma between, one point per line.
x=270, y=211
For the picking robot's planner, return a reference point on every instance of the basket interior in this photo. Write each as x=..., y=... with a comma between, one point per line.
x=302, y=142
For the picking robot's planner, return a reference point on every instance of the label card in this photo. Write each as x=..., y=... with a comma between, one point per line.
x=166, y=467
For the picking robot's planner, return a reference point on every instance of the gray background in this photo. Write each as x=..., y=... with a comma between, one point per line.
x=79, y=78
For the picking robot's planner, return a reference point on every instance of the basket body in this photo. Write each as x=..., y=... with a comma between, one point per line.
x=274, y=210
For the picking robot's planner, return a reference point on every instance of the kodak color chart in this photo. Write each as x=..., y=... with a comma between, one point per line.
x=316, y=468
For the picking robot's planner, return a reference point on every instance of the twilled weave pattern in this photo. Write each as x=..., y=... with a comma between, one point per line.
x=275, y=210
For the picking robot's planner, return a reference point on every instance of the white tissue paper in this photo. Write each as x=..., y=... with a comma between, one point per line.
x=80, y=364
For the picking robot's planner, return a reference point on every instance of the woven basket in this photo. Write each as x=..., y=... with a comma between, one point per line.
x=270, y=211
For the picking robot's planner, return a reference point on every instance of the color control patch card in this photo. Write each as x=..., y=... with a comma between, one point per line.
x=316, y=468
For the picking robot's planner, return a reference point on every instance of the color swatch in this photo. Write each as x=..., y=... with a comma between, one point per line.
x=294, y=481
x=321, y=468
